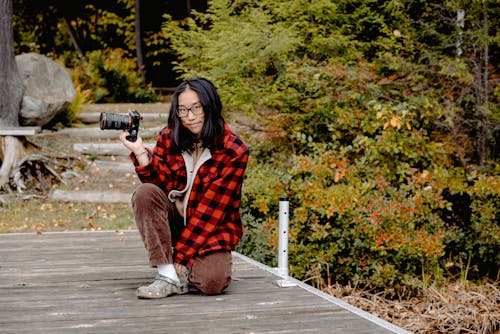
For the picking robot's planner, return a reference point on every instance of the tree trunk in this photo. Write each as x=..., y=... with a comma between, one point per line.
x=74, y=40
x=483, y=127
x=11, y=85
x=460, y=29
x=11, y=94
x=11, y=151
x=138, y=40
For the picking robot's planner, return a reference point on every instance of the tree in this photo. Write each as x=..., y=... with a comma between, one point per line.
x=11, y=93
x=33, y=171
x=138, y=39
x=70, y=29
x=11, y=87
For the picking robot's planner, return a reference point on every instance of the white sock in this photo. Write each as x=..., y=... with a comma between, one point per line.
x=168, y=270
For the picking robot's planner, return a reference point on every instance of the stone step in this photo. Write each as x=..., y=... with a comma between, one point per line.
x=123, y=108
x=98, y=133
x=117, y=167
x=104, y=148
x=90, y=196
x=92, y=118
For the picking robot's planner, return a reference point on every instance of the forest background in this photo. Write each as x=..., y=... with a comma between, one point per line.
x=381, y=120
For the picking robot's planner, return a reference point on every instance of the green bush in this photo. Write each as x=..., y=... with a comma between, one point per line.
x=111, y=78
x=264, y=185
x=473, y=219
x=372, y=185
x=350, y=224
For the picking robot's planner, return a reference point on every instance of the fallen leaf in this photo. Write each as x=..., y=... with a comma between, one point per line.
x=38, y=229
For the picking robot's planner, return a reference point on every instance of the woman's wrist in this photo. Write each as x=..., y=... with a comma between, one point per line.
x=141, y=153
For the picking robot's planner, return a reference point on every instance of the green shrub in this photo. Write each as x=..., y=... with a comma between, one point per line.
x=350, y=224
x=369, y=181
x=473, y=219
x=260, y=199
x=111, y=77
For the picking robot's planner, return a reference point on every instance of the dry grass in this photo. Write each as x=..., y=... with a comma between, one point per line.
x=40, y=215
x=453, y=308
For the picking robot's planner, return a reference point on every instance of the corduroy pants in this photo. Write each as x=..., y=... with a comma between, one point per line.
x=160, y=226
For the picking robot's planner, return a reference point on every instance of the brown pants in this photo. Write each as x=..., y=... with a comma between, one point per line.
x=160, y=226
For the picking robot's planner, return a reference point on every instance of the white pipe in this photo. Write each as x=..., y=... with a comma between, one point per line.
x=283, y=238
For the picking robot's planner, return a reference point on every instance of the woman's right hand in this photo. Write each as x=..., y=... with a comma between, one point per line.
x=136, y=147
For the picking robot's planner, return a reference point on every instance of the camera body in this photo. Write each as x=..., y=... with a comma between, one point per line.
x=129, y=122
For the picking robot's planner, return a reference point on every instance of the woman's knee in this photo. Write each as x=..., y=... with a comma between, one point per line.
x=211, y=273
x=146, y=193
x=214, y=284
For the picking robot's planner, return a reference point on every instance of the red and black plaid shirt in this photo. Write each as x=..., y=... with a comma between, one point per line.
x=213, y=218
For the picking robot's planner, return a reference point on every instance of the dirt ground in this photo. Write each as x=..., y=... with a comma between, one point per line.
x=37, y=212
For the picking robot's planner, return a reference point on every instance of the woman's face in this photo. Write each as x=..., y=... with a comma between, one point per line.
x=194, y=119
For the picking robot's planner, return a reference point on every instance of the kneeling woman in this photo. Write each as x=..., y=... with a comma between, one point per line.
x=187, y=207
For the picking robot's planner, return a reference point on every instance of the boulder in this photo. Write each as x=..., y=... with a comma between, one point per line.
x=48, y=89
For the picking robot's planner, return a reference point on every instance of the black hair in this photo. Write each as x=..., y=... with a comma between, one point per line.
x=213, y=126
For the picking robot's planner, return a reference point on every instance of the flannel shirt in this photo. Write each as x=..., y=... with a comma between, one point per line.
x=213, y=219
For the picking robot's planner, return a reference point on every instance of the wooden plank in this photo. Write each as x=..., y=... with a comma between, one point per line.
x=85, y=282
x=20, y=131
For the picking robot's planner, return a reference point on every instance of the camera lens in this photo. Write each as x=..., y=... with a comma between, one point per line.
x=114, y=121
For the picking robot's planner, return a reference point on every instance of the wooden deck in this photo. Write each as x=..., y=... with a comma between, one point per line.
x=85, y=282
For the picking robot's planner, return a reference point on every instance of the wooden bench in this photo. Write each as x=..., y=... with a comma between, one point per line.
x=20, y=130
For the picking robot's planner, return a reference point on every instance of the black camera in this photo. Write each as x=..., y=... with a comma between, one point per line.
x=130, y=122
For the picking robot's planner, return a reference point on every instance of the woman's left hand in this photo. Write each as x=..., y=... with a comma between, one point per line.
x=182, y=271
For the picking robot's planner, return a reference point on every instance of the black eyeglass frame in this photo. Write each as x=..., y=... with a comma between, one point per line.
x=196, y=108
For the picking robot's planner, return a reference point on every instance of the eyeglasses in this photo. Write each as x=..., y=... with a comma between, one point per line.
x=196, y=109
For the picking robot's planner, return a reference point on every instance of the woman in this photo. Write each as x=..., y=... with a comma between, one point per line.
x=187, y=207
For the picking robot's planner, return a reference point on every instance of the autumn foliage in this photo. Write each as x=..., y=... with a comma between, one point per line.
x=376, y=196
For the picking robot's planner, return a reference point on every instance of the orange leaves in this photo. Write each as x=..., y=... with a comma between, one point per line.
x=39, y=228
x=339, y=173
x=84, y=179
x=400, y=226
x=49, y=207
x=394, y=122
x=331, y=210
x=320, y=231
x=388, y=80
x=260, y=204
x=323, y=167
x=394, y=117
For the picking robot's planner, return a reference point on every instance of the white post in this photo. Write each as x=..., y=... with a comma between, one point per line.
x=283, y=238
x=283, y=244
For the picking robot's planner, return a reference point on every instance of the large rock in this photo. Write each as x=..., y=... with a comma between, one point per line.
x=48, y=88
